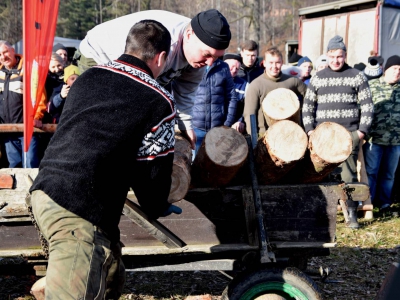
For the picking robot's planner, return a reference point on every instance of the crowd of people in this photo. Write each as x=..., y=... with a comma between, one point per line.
x=138, y=77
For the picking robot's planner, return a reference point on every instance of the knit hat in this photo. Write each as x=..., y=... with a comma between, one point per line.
x=294, y=59
x=392, y=61
x=59, y=46
x=373, y=60
x=212, y=29
x=322, y=60
x=70, y=70
x=232, y=56
x=373, y=71
x=336, y=43
x=303, y=60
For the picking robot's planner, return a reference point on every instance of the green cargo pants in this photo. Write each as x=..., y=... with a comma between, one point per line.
x=81, y=262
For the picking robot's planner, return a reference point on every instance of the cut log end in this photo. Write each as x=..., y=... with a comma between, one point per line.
x=225, y=146
x=286, y=140
x=281, y=104
x=331, y=142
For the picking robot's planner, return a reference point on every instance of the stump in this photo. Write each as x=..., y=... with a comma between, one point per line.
x=279, y=150
x=330, y=144
x=221, y=155
x=281, y=104
x=38, y=289
x=181, y=169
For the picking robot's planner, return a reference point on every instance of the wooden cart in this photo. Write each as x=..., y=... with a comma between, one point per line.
x=263, y=233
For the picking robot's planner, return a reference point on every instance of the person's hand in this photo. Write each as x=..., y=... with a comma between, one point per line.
x=360, y=134
x=310, y=132
x=64, y=91
x=190, y=136
x=37, y=123
x=238, y=126
x=172, y=209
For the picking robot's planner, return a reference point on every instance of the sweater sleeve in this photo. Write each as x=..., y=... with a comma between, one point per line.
x=366, y=105
x=230, y=95
x=251, y=104
x=309, y=107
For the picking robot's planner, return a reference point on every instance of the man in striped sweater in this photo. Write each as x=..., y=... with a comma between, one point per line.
x=340, y=94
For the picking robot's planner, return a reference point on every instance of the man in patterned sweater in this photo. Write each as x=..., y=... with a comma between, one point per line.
x=116, y=132
x=382, y=149
x=340, y=94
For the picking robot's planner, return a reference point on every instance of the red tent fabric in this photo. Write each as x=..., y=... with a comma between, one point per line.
x=39, y=25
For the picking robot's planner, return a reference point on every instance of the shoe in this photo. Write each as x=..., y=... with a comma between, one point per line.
x=385, y=210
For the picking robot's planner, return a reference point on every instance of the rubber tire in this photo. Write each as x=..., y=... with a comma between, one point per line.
x=255, y=284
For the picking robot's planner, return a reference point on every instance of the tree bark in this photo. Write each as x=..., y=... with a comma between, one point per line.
x=279, y=150
x=181, y=169
x=281, y=104
x=221, y=155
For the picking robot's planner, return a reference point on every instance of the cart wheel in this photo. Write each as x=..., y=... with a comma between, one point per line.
x=272, y=284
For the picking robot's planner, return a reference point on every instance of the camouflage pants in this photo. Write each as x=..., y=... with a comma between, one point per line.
x=81, y=263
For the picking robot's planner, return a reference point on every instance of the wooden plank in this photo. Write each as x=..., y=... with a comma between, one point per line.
x=9, y=128
x=251, y=224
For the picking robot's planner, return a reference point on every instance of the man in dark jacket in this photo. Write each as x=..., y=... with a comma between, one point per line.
x=250, y=68
x=117, y=132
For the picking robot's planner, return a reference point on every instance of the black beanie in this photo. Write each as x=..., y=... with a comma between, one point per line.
x=59, y=46
x=232, y=56
x=392, y=61
x=294, y=58
x=212, y=29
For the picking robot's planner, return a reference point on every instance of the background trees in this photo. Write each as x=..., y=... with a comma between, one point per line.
x=270, y=22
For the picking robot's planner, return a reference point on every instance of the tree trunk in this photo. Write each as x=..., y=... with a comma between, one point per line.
x=221, y=155
x=181, y=169
x=283, y=145
x=330, y=144
x=281, y=104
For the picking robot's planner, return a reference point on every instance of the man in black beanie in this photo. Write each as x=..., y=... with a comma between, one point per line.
x=196, y=43
x=340, y=94
x=61, y=50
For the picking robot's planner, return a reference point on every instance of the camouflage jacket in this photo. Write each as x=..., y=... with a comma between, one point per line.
x=385, y=129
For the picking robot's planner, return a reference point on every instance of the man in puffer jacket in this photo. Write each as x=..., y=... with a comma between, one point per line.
x=216, y=101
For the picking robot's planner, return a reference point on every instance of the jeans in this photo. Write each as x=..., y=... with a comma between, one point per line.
x=15, y=152
x=81, y=257
x=381, y=164
x=200, y=134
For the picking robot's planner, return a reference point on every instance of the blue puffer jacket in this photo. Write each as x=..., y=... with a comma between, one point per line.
x=216, y=100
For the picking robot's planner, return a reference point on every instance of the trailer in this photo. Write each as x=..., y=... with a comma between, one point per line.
x=263, y=234
x=367, y=27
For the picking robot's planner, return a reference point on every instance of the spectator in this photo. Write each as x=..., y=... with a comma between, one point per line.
x=55, y=75
x=267, y=82
x=234, y=61
x=340, y=94
x=322, y=63
x=61, y=50
x=11, y=108
x=294, y=59
x=117, y=119
x=382, y=149
x=56, y=103
x=250, y=68
x=215, y=103
x=306, y=67
x=373, y=69
x=195, y=44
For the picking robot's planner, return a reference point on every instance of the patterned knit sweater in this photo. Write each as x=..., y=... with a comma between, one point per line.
x=116, y=132
x=340, y=96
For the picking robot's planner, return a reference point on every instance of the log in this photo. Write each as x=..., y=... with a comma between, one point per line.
x=329, y=145
x=279, y=150
x=281, y=104
x=221, y=155
x=181, y=169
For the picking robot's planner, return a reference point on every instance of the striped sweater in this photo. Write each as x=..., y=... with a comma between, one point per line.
x=340, y=96
x=116, y=132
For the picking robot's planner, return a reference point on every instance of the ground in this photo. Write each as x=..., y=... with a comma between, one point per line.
x=358, y=266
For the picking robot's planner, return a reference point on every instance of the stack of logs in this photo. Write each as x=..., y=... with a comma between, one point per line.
x=284, y=154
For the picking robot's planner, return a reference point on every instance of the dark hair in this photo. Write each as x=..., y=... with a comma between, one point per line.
x=250, y=45
x=273, y=51
x=146, y=39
